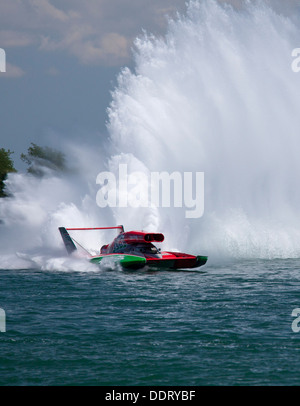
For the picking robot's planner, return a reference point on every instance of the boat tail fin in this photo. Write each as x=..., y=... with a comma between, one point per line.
x=69, y=244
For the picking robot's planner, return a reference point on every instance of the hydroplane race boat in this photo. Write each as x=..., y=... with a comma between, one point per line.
x=134, y=250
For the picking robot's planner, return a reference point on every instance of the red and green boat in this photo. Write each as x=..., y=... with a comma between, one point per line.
x=134, y=250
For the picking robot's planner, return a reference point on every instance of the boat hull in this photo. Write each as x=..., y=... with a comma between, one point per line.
x=177, y=261
x=167, y=261
x=126, y=261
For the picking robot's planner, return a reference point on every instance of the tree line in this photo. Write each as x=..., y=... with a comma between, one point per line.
x=39, y=161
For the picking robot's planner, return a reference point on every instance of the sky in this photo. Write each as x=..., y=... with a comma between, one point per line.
x=62, y=61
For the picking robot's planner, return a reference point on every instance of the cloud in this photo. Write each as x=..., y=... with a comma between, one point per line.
x=96, y=32
x=10, y=38
x=12, y=71
x=52, y=71
x=45, y=10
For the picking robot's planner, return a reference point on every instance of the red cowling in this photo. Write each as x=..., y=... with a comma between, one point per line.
x=139, y=236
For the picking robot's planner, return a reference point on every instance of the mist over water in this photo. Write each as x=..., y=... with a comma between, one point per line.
x=38, y=206
x=216, y=95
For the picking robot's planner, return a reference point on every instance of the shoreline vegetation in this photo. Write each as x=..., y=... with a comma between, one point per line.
x=38, y=159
